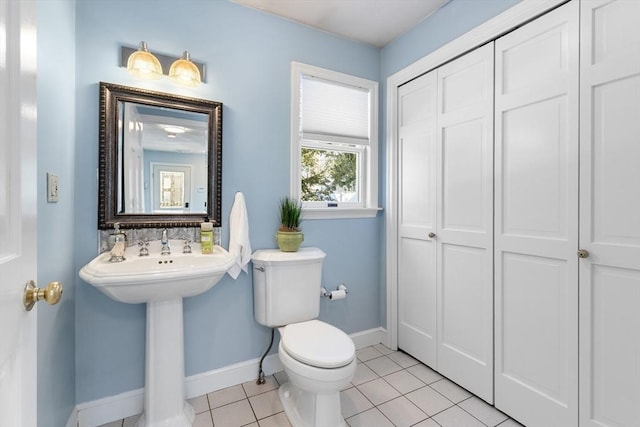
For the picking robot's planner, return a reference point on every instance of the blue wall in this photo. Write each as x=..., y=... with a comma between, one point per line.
x=248, y=56
x=56, y=144
x=446, y=24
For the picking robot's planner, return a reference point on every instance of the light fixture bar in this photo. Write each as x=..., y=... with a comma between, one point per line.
x=165, y=61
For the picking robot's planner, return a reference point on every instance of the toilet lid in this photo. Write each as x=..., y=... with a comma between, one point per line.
x=318, y=344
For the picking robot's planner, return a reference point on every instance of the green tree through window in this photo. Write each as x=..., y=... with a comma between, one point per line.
x=328, y=175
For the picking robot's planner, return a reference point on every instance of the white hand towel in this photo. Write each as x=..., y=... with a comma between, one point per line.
x=239, y=244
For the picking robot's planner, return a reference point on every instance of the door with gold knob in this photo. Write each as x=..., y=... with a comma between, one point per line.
x=17, y=212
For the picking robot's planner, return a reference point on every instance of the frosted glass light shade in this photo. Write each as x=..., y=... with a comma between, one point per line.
x=143, y=65
x=185, y=72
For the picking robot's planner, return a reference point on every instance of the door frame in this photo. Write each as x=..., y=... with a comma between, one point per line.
x=513, y=17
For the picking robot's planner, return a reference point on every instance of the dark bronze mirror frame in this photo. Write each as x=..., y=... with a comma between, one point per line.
x=110, y=97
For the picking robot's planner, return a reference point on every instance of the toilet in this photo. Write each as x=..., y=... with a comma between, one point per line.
x=319, y=359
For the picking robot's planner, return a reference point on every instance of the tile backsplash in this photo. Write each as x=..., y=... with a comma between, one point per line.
x=136, y=235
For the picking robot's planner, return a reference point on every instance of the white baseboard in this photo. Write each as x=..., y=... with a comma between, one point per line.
x=369, y=337
x=73, y=418
x=111, y=408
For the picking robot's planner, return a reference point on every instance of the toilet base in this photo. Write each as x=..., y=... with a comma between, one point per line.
x=305, y=409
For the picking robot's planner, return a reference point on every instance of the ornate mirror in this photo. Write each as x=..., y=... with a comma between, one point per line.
x=160, y=161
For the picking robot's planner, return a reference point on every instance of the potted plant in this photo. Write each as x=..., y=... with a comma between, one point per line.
x=289, y=236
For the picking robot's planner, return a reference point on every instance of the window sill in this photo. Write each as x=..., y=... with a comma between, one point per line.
x=339, y=213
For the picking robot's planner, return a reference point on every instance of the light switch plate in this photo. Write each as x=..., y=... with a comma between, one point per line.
x=52, y=187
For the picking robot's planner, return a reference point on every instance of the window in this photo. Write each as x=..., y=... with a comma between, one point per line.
x=334, y=141
x=171, y=189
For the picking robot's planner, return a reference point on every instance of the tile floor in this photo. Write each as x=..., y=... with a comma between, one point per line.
x=390, y=388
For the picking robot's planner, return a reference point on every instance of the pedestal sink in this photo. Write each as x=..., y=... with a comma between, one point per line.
x=160, y=281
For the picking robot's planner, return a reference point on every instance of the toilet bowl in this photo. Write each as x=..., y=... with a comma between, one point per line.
x=319, y=360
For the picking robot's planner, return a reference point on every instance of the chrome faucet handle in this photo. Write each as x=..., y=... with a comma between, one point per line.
x=187, y=247
x=144, y=250
x=165, y=250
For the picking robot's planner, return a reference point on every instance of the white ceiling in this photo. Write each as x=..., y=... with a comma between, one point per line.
x=376, y=22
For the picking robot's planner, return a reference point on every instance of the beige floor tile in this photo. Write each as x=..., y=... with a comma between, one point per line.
x=483, y=411
x=277, y=420
x=266, y=404
x=403, y=381
x=402, y=359
x=353, y=402
x=226, y=396
x=233, y=415
x=402, y=412
x=383, y=366
x=363, y=374
x=367, y=353
x=456, y=417
x=450, y=390
x=383, y=349
x=369, y=418
x=429, y=401
x=427, y=423
x=378, y=391
x=424, y=373
x=251, y=388
x=203, y=420
x=510, y=423
x=200, y=404
x=281, y=377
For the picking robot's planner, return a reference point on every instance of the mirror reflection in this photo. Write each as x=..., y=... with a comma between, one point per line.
x=164, y=160
x=160, y=159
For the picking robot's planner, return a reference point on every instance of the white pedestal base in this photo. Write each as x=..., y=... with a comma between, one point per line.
x=164, y=395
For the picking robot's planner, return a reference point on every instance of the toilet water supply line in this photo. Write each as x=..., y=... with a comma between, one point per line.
x=261, y=379
x=340, y=293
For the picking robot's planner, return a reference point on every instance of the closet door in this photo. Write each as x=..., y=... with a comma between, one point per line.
x=536, y=220
x=610, y=214
x=464, y=232
x=417, y=220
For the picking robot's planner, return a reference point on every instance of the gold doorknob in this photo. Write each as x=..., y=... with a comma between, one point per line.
x=51, y=294
x=583, y=253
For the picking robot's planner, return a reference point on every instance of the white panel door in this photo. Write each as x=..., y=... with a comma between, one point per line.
x=536, y=220
x=610, y=213
x=416, y=212
x=464, y=233
x=18, y=210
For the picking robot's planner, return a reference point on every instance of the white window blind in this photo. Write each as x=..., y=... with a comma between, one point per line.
x=334, y=112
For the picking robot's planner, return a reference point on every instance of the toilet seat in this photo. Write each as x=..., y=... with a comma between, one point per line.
x=318, y=344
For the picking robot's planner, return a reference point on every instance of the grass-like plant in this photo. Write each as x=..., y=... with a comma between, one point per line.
x=290, y=214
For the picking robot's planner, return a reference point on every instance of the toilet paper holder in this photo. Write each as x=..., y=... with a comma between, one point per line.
x=340, y=287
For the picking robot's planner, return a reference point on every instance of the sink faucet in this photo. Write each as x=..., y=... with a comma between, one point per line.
x=166, y=250
x=117, y=253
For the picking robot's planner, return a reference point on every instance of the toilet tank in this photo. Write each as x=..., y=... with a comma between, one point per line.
x=286, y=285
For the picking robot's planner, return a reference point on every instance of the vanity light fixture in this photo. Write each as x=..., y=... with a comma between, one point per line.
x=184, y=72
x=144, y=65
x=174, y=129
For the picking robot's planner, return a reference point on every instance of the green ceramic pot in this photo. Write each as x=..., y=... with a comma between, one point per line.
x=289, y=241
